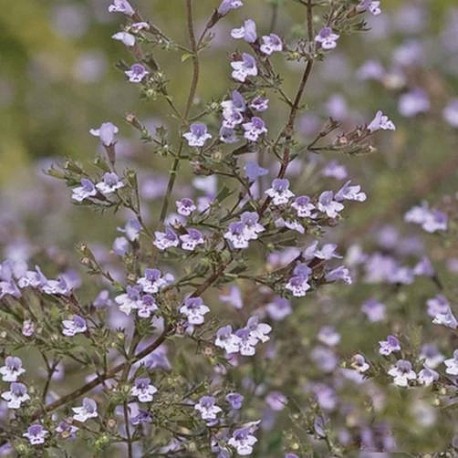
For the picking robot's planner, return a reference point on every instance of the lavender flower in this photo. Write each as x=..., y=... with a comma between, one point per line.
x=146, y=306
x=450, y=113
x=327, y=38
x=276, y=401
x=234, y=297
x=259, y=104
x=226, y=340
x=16, y=395
x=380, y=121
x=446, y=318
x=374, y=310
x=197, y=135
x=247, y=32
x=388, y=346
x=303, y=207
x=431, y=355
x=106, y=132
x=136, y=73
x=228, y=5
x=207, y=408
x=36, y=434
x=244, y=68
x=452, y=364
x=329, y=336
x=132, y=229
x=279, y=308
x=358, y=362
x=237, y=235
x=279, y=192
x=129, y=300
x=185, y=206
x=347, y=192
x=190, y=240
x=370, y=5
x=327, y=204
x=66, y=430
x=110, y=183
x=253, y=171
x=427, y=376
x=166, y=240
x=258, y=330
x=270, y=44
x=235, y=400
x=153, y=281
x=28, y=328
x=194, y=309
x=228, y=135
x=413, y=103
x=252, y=228
x=431, y=220
x=402, y=373
x=12, y=369
x=121, y=6
x=298, y=283
x=243, y=440
x=76, y=325
x=87, y=189
x=125, y=37
x=86, y=411
x=247, y=342
x=143, y=390
x=254, y=129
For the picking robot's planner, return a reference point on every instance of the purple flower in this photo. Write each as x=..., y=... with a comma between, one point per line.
x=228, y=135
x=76, y=325
x=431, y=220
x=143, y=389
x=194, y=309
x=252, y=228
x=66, y=429
x=276, y=400
x=235, y=400
x=258, y=330
x=370, y=5
x=327, y=38
x=279, y=308
x=327, y=204
x=450, y=113
x=402, y=372
x=247, y=342
x=243, y=440
x=335, y=170
x=227, y=340
x=28, y=328
x=236, y=103
x=431, y=355
x=121, y=246
x=121, y=6
x=279, y=192
x=165, y=240
x=340, y=273
x=136, y=73
x=228, y=5
x=146, y=306
x=374, y=310
x=87, y=189
x=142, y=417
x=380, y=121
x=254, y=129
x=106, y=132
x=244, y=68
x=358, y=362
x=329, y=336
x=234, y=297
x=303, y=207
x=253, y=171
x=197, y=135
x=129, y=300
x=125, y=37
x=247, y=32
x=132, y=229
x=347, y=192
x=259, y=104
x=427, y=376
x=185, y=206
x=153, y=281
x=16, y=395
x=36, y=434
x=87, y=410
x=452, y=364
x=207, y=408
x=270, y=44
x=237, y=235
x=110, y=183
x=388, y=346
x=446, y=318
x=324, y=358
x=298, y=283
x=413, y=103
x=12, y=369
x=190, y=240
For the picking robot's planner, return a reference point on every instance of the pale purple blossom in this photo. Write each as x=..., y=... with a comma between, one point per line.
x=372, y=6
x=380, y=121
x=340, y=273
x=235, y=400
x=276, y=400
x=279, y=308
x=207, y=408
x=197, y=135
x=452, y=364
x=165, y=240
x=76, y=325
x=86, y=190
x=227, y=340
x=259, y=104
x=358, y=362
x=228, y=135
x=194, y=309
x=298, y=283
x=236, y=103
x=327, y=204
x=191, y=240
x=431, y=220
x=327, y=38
x=237, y=235
x=185, y=206
x=427, y=376
x=253, y=170
x=254, y=129
x=241, y=69
x=153, y=280
x=252, y=228
x=106, y=132
x=87, y=410
x=413, y=103
x=390, y=345
x=243, y=441
x=347, y=192
x=129, y=300
x=270, y=44
x=228, y=5
x=374, y=310
x=143, y=390
x=121, y=6
x=431, y=356
x=125, y=38
x=325, y=359
x=329, y=336
x=446, y=318
x=16, y=395
x=66, y=430
x=258, y=330
x=132, y=229
x=12, y=369
x=247, y=342
x=279, y=192
x=136, y=73
x=246, y=32
x=28, y=328
x=110, y=183
x=402, y=373
x=450, y=113
x=146, y=306
x=36, y=434
x=335, y=170
x=233, y=297
x=326, y=252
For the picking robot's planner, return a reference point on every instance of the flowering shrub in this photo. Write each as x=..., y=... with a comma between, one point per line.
x=218, y=323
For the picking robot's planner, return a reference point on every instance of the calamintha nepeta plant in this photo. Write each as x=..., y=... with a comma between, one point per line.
x=178, y=354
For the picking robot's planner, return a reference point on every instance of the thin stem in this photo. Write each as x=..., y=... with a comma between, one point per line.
x=130, y=452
